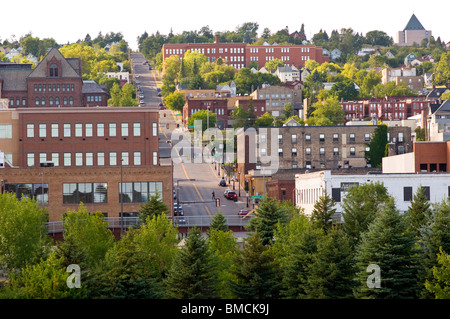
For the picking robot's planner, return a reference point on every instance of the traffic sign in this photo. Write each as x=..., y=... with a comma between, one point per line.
x=257, y=197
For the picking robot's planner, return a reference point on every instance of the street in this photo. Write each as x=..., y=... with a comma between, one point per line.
x=195, y=181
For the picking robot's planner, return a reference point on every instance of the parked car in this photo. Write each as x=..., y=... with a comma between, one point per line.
x=159, y=94
x=174, y=194
x=222, y=183
x=231, y=195
x=243, y=212
x=178, y=210
x=226, y=192
x=162, y=108
x=161, y=104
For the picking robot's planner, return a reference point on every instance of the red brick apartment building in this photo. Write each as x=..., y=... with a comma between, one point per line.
x=240, y=55
x=64, y=156
x=55, y=81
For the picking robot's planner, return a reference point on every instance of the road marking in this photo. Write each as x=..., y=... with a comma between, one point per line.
x=201, y=198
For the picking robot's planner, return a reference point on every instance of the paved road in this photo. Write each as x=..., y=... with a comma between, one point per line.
x=196, y=181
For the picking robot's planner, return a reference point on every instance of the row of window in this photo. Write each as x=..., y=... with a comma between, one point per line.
x=352, y=138
x=54, y=88
x=94, y=98
x=282, y=96
x=89, y=158
x=16, y=102
x=88, y=193
x=321, y=151
x=53, y=101
x=87, y=129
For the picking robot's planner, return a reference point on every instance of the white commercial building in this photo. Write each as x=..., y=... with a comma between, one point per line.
x=310, y=187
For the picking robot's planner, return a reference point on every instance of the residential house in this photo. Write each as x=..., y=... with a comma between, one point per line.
x=287, y=73
x=438, y=122
x=409, y=58
x=335, y=54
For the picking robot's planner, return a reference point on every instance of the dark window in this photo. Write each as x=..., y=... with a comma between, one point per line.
x=53, y=70
x=407, y=193
x=449, y=191
x=283, y=194
x=336, y=194
x=426, y=191
x=424, y=167
x=442, y=167
x=433, y=167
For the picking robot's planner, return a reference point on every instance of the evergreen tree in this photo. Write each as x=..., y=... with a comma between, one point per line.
x=360, y=207
x=434, y=236
x=331, y=273
x=388, y=244
x=192, y=275
x=419, y=211
x=440, y=286
x=269, y=213
x=218, y=222
x=377, y=146
x=257, y=276
x=154, y=206
x=322, y=212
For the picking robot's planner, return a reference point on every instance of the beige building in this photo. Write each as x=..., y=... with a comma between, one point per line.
x=414, y=32
x=277, y=97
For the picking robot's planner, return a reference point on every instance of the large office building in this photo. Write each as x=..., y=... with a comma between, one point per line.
x=240, y=55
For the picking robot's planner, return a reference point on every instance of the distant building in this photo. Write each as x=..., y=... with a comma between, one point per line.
x=414, y=32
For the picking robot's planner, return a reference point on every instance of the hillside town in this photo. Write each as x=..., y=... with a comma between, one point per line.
x=217, y=145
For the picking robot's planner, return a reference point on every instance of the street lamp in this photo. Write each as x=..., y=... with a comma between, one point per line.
x=239, y=182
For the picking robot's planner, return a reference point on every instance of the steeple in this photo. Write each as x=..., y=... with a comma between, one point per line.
x=414, y=24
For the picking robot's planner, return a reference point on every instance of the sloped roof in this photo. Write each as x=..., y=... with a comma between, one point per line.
x=445, y=107
x=67, y=70
x=414, y=24
x=15, y=79
x=92, y=87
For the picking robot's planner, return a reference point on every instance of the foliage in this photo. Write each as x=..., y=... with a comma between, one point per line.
x=23, y=232
x=265, y=120
x=154, y=206
x=377, y=146
x=204, y=117
x=326, y=112
x=441, y=274
x=122, y=96
x=418, y=212
x=322, y=213
x=388, y=244
x=192, y=275
x=218, y=223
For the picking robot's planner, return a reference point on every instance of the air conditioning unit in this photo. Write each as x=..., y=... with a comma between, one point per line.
x=47, y=164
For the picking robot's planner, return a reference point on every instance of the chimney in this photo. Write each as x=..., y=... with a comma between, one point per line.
x=216, y=38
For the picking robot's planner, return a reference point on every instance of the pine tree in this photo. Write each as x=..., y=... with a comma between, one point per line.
x=269, y=213
x=154, y=206
x=257, y=276
x=322, y=212
x=218, y=222
x=388, y=244
x=360, y=207
x=434, y=236
x=419, y=211
x=192, y=275
x=331, y=273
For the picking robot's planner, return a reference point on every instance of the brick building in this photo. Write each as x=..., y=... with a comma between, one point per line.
x=240, y=55
x=276, y=97
x=55, y=81
x=315, y=147
x=63, y=156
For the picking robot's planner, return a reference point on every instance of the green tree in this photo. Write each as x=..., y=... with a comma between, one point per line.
x=255, y=271
x=418, y=212
x=154, y=206
x=327, y=112
x=87, y=232
x=344, y=90
x=288, y=110
x=377, y=146
x=274, y=64
x=264, y=120
x=218, y=222
x=360, y=206
x=420, y=132
x=175, y=101
x=203, y=116
x=24, y=240
x=269, y=213
x=240, y=117
x=442, y=73
x=331, y=273
x=388, y=244
x=322, y=213
x=441, y=274
x=193, y=272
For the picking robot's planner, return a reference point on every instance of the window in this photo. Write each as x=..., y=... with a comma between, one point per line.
x=100, y=159
x=124, y=129
x=336, y=194
x=88, y=193
x=308, y=151
x=89, y=159
x=322, y=151
x=30, y=159
x=262, y=138
x=42, y=130
x=112, y=129
x=88, y=130
x=294, y=152
x=66, y=130
x=43, y=101
x=294, y=165
x=280, y=152
x=5, y=131
x=293, y=138
x=400, y=137
x=367, y=137
x=37, y=101
x=139, y=192
x=30, y=130
x=335, y=151
x=42, y=157
x=53, y=70
x=55, y=159
x=280, y=139
x=308, y=137
x=70, y=99
x=426, y=192
x=321, y=137
x=55, y=130
x=407, y=193
x=352, y=151
x=65, y=100
x=50, y=100
x=136, y=129
x=137, y=158
x=100, y=129
x=67, y=159
x=112, y=159
x=125, y=160
x=352, y=137
x=155, y=158
x=57, y=100
x=78, y=159
x=78, y=130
